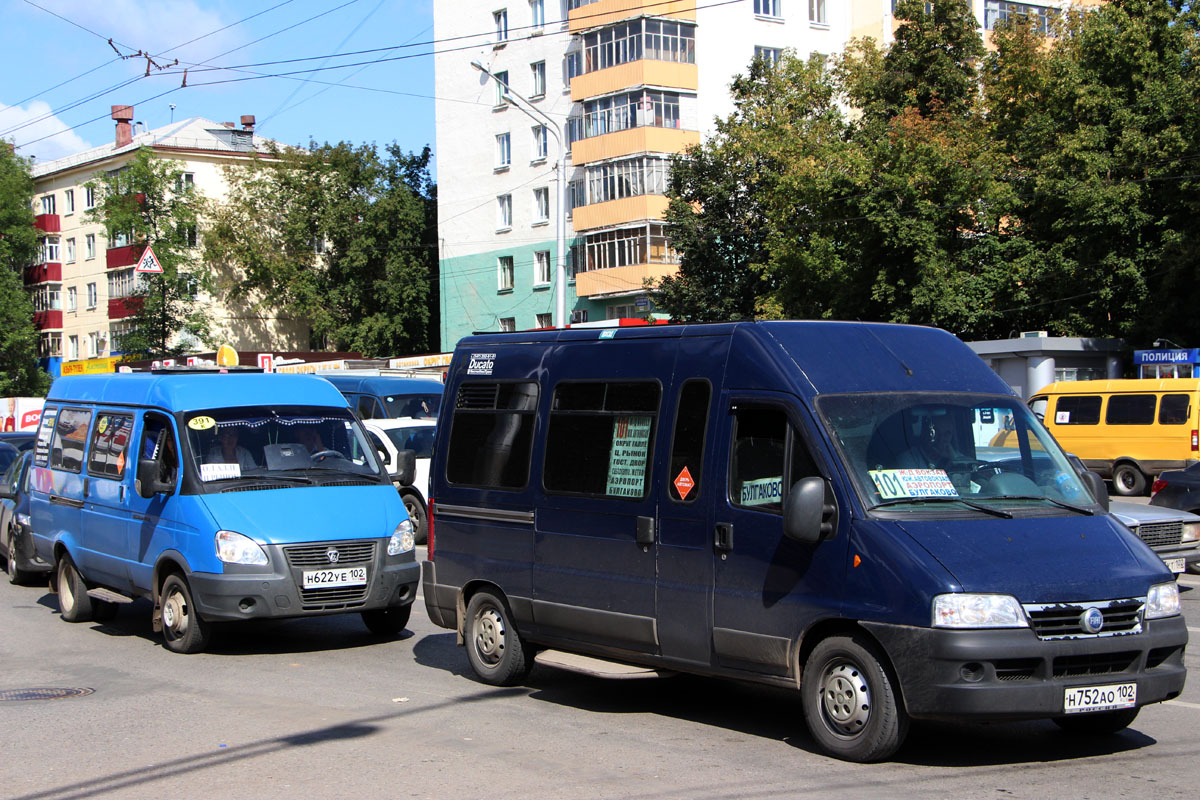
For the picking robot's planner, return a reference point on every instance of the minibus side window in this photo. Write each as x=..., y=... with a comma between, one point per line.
x=1130, y=409
x=41, y=448
x=759, y=464
x=491, y=435
x=599, y=439
x=687, y=443
x=1174, y=409
x=70, y=439
x=1077, y=410
x=110, y=440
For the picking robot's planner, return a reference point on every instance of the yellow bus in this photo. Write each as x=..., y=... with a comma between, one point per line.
x=1126, y=430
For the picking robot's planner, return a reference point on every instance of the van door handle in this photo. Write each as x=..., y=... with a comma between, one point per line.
x=59, y=500
x=645, y=531
x=724, y=537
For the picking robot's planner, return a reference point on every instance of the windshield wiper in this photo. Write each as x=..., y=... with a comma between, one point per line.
x=997, y=512
x=1070, y=506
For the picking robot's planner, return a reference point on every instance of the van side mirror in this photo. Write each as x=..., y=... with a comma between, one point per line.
x=147, y=483
x=810, y=511
x=406, y=468
x=1099, y=490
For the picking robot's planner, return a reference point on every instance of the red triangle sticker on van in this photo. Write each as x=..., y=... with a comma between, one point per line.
x=684, y=483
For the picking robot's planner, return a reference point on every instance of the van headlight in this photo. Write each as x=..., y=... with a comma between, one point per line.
x=1162, y=601
x=978, y=611
x=1191, y=532
x=402, y=539
x=234, y=548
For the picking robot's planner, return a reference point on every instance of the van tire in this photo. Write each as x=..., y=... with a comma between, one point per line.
x=73, y=601
x=183, y=630
x=498, y=654
x=850, y=703
x=1098, y=724
x=1128, y=480
x=416, y=513
x=387, y=621
x=16, y=575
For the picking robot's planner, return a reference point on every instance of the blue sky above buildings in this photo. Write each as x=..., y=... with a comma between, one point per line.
x=356, y=70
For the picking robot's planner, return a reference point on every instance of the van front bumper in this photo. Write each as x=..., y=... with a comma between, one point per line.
x=274, y=591
x=1012, y=674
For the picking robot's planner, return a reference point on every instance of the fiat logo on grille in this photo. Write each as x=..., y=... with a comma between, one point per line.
x=333, y=555
x=1091, y=620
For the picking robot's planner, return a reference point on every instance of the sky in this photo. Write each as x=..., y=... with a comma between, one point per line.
x=60, y=76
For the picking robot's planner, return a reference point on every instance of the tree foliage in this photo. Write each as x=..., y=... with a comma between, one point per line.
x=19, y=372
x=148, y=202
x=338, y=235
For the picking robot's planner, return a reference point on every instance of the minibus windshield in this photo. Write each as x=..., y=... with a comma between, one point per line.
x=906, y=449
x=305, y=445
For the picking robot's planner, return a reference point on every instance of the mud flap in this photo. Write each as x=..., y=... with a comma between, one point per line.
x=460, y=612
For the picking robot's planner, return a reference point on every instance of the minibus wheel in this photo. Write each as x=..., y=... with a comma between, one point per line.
x=1098, y=724
x=850, y=704
x=16, y=575
x=387, y=621
x=496, y=651
x=183, y=630
x=73, y=601
x=1128, y=480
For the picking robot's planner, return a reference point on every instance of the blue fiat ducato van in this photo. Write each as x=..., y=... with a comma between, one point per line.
x=863, y=512
x=219, y=497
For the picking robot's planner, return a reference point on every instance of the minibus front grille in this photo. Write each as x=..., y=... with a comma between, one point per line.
x=317, y=555
x=1161, y=534
x=352, y=482
x=337, y=597
x=1065, y=620
x=1016, y=669
x=257, y=487
x=1093, y=664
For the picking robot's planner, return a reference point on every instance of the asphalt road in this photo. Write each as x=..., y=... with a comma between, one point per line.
x=319, y=708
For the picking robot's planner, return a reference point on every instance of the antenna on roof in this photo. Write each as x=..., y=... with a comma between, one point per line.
x=172, y=105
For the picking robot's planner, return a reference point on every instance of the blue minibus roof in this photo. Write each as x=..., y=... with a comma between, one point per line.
x=196, y=392
x=384, y=384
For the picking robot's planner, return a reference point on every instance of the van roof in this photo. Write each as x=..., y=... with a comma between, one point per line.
x=384, y=384
x=1122, y=385
x=834, y=357
x=195, y=392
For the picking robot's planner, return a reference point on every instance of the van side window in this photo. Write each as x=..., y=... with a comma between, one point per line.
x=759, y=465
x=1130, y=409
x=687, y=443
x=368, y=407
x=1174, y=409
x=491, y=434
x=599, y=439
x=109, y=442
x=41, y=448
x=158, y=442
x=1077, y=410
x=70, y=439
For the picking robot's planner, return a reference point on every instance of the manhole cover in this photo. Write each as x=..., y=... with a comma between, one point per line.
x=42, y=694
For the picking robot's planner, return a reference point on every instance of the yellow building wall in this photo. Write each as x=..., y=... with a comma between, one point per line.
x=607, y=12
x=631, y=142
x=618, y=212
x=635, y=73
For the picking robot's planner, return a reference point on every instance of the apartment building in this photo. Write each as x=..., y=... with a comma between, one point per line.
x=82, y=280
x=625, y=84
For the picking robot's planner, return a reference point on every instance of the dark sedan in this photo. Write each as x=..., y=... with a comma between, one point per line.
x=15, y=543
x=1178, y=488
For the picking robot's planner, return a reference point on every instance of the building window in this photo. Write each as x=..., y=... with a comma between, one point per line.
x=541, y=206
x=190, y=236
x=658, y=40
x=771, y=55
x=767, y=8
x=508, y=324
x=504, y=273
x=47, y=297
x=73, y=348
x=50, y=250
x=541, y=269
x=501, y=18
x=538, y=70
x=118, y=331
x=995, y=11
x=540, y=148
x=48, y=204
x=89, y=251
x=642, y=108
x=94, y=343
x=50, y=345
x=121, y=283
x=544, y=321
x=69, y=252
x=537, y=12
x=69, y=201
x=576, y=196
x=629, y=177
x=504, y=212
x=816, y=12
x=501, y=87
x=574, y=130
x=72, y=299
x=644, y=244
x=89, y=197
x=503, y=151
x=184, y=182
x=91, y=295
x=572, y=66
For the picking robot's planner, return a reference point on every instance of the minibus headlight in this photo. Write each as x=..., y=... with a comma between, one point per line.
x=234, y=548
x=1191, y=532
x=1162, y=601
x=978, y=611
x=402, y=539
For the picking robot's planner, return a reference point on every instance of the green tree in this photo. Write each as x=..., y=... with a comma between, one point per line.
x=338, y=235
x=148, y=202
x=19, y=371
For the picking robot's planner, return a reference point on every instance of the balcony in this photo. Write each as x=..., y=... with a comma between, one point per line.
x=606, y=12
x=122, y=307
x=620, y=280
x=41, y=273
x=48, y=320
x=667, y=74
x=47, y=223
x=619, y=212
x=125, y=256
x=632, y=141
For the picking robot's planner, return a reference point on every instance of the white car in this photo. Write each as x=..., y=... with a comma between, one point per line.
x=408, y=433
x=1171, y=533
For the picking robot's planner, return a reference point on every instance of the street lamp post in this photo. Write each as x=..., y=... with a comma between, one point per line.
x=560, y=274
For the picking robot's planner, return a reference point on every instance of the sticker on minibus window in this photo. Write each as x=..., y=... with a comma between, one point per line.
x=220, y=472
x=1062, y=418
x=762, y=492
x=898, y=483
x=201, y=423
x=627, y=459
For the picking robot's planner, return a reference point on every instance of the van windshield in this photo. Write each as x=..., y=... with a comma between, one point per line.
x=297, y=444
x=417, y=406
x=916, y=449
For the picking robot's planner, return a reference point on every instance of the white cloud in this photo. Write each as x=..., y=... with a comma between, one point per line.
x=60, y=142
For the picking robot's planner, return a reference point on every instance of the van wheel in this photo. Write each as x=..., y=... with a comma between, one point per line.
x=16, y=575
x=73, y=601
x=1098, y=724
x=1128, y=480
x=496, y=651
x=183, y=630
x=387, y=621
x=849, y=701
x=416, y=513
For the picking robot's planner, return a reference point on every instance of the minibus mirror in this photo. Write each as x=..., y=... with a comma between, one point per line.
x=1099, y=490
x=406, y=467
x=148, y=483
x=810, y=513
